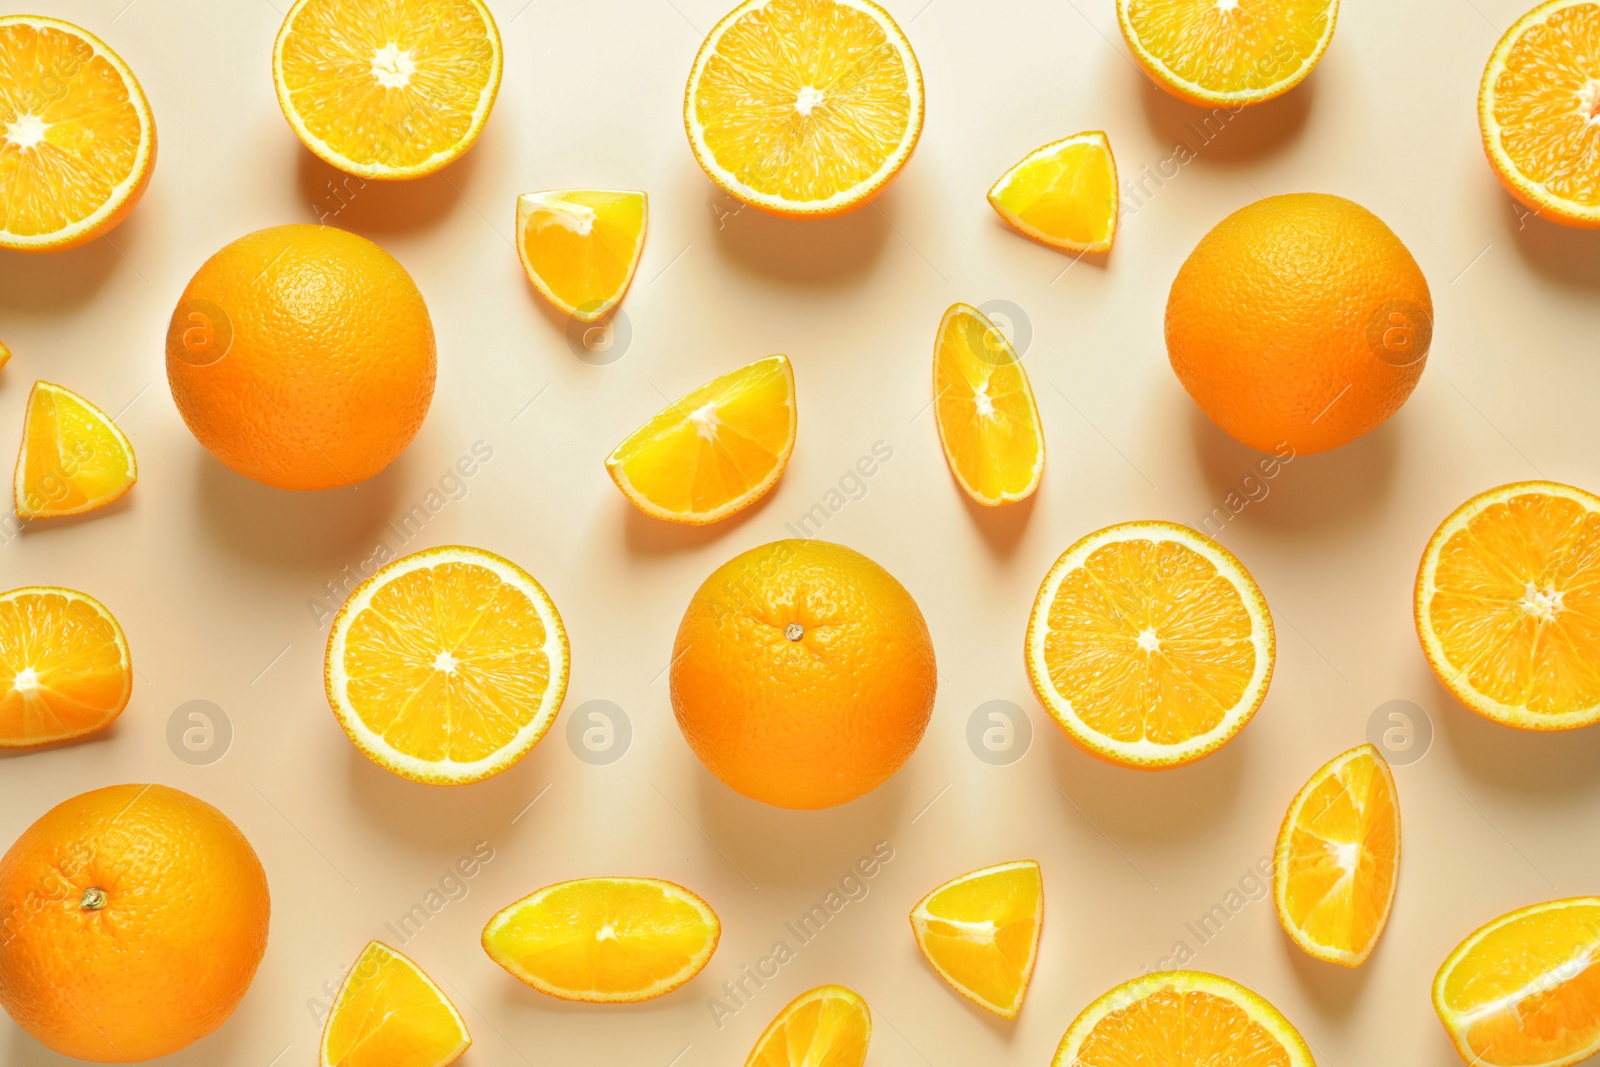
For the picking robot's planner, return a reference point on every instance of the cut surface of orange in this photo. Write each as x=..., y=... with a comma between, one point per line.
x=389, y=91
x=580, y=247
x=1508, y=605
x=1063, y=195
x=1182, y=1019
x=64, y=666
x=389, y=1013
x=828, y=1026
x=1338, y=858
x=73, y=457
x=984, y=408
x=1524, y=990
x=981, y=933
x=714, y=452
x=447, y=666
x=605, y=940
x=804, y=107
x=1150, y=644
x=5, y=355
x=1226, y=53
x=77, y=140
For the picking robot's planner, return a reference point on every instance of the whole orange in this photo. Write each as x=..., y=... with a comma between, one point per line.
x=1299, y=321
x=802, y=674
x=302, y=356
x=132, y=919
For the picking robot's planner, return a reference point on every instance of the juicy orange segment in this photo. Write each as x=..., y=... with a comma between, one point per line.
x=828, y=1026
x=580, y=247
x=1524, y=990
x=1150, y=644
x=390, y=1014
x=389, y=91
x=1228, y=53
x=714, y=452
x=610, y=940
x=5, y=355
x=981, y=933
x=447, y=666
x=1064, y=194
x=804, y=107
x=73, y=457
x=983, y=405
x=1508, y=605
x=64, y=666
x=1338, y=854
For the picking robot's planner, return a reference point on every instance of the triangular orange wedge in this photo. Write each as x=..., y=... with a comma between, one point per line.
x=984, y=408
x=73, y=458
x=64, y=666
x=981, y=933
x=580, y=247
x=390, y=1014
x=828, y=1026
x=1063, y=195
x=1227, y=53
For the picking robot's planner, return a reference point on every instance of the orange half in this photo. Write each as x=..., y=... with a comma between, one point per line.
x=1063, y=195
x=981, y=933
x=580, y=247
x=984, y=408
x=64, y=666
x=388, y=1013
x=73, y=457
x=829, y=1026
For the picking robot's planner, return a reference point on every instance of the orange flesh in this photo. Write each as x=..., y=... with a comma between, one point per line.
x=1252, y=46
x=1547, y=101
x=69, y=660
x=72, y=459
x=1070, y=195
x=822, y=1031
x=585, y=245
x=985, y=407
x=981, y=932
x=1170, y=1028
x=390, y=1015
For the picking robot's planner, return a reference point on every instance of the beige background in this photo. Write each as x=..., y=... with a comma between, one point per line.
x=211, y=574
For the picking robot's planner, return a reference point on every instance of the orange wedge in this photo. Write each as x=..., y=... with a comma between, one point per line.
x=5, y=355
x=77, y=140
x=1524, y=990
x=714, y=452
x=64, y=666
x=73, y=457
x=389, y=1014
x=1186, y=1018
x=390, y=91
x=1338, y=854
x=828, y=1026
x=981, y=933
x=1150, y=644
x=605, y=940
x=804, y=107
x=983, y=405
x=447, y=666
x=1227, y=53
x=1508, y=605
x=580, y=247
x=1063, y=195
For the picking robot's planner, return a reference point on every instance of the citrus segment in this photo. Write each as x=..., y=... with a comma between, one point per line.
x=580, y=247
x=5, y=355
x=1064, y=194
x=981, y=933
x=828, y=1026
x=64, y=666
x=73, y=457
x=388, y=1013
x=984, y=408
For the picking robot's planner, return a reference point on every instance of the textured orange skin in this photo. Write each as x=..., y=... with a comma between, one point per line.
x=171, y=953
x=1286, y=304
x=332, y=362
x=809, y=723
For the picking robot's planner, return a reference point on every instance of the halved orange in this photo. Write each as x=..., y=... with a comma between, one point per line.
x=1150, y=644
x=1524, y=989
x=1507, y=605
x=390, y=91
x=1338, y=857
x=77, y=140
x=605, y=940
x=1227, y=53
x=388, y=1013
x=73, y=457
x=828, y=1026
x=981, y=933
x=64, y=666
x=1063, y=195
x=714, y=452
x=804, y=107
x=447, y=666
x=580, y=247
x=984, y=408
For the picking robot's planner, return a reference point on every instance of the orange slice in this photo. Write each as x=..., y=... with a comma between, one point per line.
x=1227, y=52
x=981, y=933
x=1186, y=1018
x=1508, y=605
x=714, y=452
x=1338, y=854
x=828, y=1026
x=77, y=140
x=1524, y=990
x=447, y=666
x=1150, y=644
x=605, y=940
x=983, y=405
x=580, y=247
x=5, y=355
x=64, y=666
x=389, y=91
x=389, y=1014
x=804, y=107
x=1064, y=194
x=73, y=457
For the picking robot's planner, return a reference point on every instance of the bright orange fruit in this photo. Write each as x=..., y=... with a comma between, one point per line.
x=981, y=933
x=983, y=405
x=64, y=666
x=388, y=1013
x=1223, y=53
x=580, y=247
x=828, y=1026
x=73, y=457
x=1063, y=195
